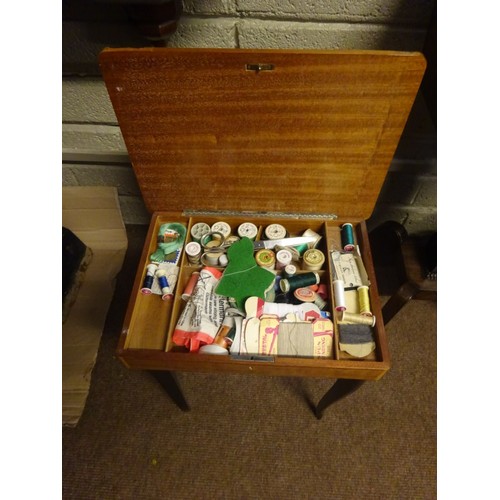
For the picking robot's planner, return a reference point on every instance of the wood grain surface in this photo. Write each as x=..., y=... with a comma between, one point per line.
x=316, y=134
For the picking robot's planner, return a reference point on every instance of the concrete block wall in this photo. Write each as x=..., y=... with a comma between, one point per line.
x=93, y=149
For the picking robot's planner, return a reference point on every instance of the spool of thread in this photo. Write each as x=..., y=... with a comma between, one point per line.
x=283, y=258
x=248, y=229
x=198, y=230
x=322, y=291
x=188, y=291
x=320, y=302
x=193, y=252
x=289, y=271
x=211, y=257
x=338, y=289
x=305, y=295
x=221, y=227
x=277, y=283
x=148, y=279
x=364, y=301
x=313, y=260
x=275, y=232
x=223, y=260
x=301, y=249
x=164, y=286
x=347, y=237
x=295, y=253
x=312, y=234
x=265, y=258
x=231, y=239
x=358, y=318
x=301, y=280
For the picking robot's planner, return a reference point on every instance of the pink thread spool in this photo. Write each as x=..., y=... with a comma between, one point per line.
x=322, y=291
x=188, y=291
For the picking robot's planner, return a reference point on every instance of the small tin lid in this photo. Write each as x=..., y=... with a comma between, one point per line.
x=287, y=131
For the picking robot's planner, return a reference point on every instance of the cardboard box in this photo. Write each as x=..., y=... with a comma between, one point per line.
x=93, y=214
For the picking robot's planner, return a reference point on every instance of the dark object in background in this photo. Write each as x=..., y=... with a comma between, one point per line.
x=76, y=257
x=388, y=243
x=428, y=256
x=385, y=242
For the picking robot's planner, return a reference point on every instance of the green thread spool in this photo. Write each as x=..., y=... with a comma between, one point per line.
x=300, y=281
x=347, y=236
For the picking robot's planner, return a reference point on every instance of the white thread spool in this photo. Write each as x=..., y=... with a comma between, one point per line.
x=248, y=229
x=231, y=239
x=198, y=230
x=222, y=227
x=312, y=234
x=295, y=253
x=289, y=271
x=338, y=288
x=275, y=232
x=223, y=260
x=283, y=259
x=193, y=252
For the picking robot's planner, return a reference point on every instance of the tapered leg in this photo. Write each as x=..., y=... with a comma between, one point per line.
x=405, y=293
x=340, y=389
x=167, y=380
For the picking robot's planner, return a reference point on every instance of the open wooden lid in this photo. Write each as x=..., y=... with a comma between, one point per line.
x=309, y=132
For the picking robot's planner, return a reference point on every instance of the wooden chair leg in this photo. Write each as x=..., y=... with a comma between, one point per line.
x=167, y=380
x=405, y=293
x=340, y=389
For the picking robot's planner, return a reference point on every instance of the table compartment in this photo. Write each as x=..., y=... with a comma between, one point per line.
x=147, y=335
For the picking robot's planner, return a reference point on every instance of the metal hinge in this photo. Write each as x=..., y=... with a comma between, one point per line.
x=249, y=213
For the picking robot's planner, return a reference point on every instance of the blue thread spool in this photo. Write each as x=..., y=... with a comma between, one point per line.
x=347, y=237
x=165, y=287
x=148, y=279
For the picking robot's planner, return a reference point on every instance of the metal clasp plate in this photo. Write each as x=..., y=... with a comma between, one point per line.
x=260, y=67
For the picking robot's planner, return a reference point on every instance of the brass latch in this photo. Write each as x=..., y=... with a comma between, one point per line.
x=260, y=67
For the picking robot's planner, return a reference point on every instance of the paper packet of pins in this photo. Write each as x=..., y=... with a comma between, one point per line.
x=349, y=267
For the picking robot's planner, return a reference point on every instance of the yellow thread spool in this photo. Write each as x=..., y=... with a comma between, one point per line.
x=265, y=258
x=313, y=260
x=357, y=318
x=364, y=301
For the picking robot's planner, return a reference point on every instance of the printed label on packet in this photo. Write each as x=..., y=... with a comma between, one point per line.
x=323, y=338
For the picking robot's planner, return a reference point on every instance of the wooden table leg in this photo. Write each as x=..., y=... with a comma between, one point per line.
x=340, y=389
x=405, y=293
x=167, y=380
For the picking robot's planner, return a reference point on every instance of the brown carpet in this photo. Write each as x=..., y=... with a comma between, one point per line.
x=256, y=437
